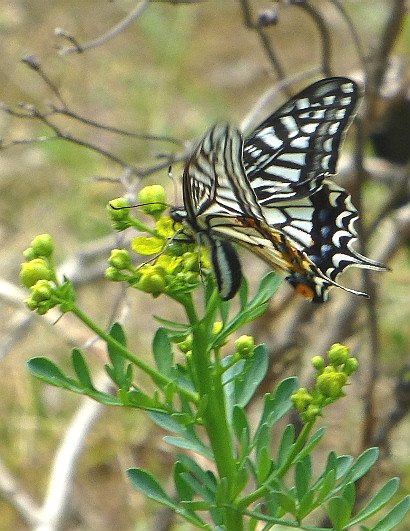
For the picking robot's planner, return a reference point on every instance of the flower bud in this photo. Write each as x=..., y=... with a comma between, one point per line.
x=43, y=245
x=114, y=274
x=245, y=346
x=119, y=213
x=120, y=259
x=338, y=354
x=330, y=383
x=217, y=327
x=191, y=261
x=312, y=411
x=301, y=399
x=318, y=363
x=31, y=304
x=36, y=269
x=41, y=291
x=153, y=200
x=185, y=345
x=350, y=366
x=29, y=254
x=152, y=283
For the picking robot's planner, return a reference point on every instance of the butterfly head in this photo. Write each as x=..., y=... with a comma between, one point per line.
x=178, y=214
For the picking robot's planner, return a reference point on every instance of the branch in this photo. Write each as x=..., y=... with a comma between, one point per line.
x=258, y=26
x=271, y=93
x=17, y=497
x=355, y=35
x=323, y=32
x=60, y=484
x=75, y=47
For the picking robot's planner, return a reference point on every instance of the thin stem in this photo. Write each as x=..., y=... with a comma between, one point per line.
x=279, y=473
x=156, y=376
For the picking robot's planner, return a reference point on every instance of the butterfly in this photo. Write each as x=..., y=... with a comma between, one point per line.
x=270, y=193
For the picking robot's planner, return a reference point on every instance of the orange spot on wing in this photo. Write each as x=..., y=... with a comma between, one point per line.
x=305, y=290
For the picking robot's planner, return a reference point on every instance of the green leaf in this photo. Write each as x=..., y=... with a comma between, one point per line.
x=81, y=369
x=167, y=422
x=149, y=486
x=264, y=465
x=196, y=505
x=328, y=482
x=254, y=371
x=339, y=510
x=257, y=306
x=306, y=505
x=174, y=325
x=243, y=293
x=242, y=430
x=312, y=442
x=162, y=350
x=197, y=487
x=303, y=475
x=362, y=464
x=343, y=463
x=278, y=404
x=349, y=494
x=285, y=447
x=286, y=501
x=379, y=500
x=120, y=372
x=189, y=444
x=222, y=492
x=138, y=399
x=47, y=371
x=205, y=476
x=268, y=286
x=241, y=480
x=263, y=437
x=393, y=517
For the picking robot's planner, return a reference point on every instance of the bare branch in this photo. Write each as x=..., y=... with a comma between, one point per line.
x=134, y=15
x=32, y=62
x=323, y=32
x=141, y=136
x=264, y=100
x=355, y=35
x=392, y=29
x=260, y=30
x=65, y=462
x=17, y=497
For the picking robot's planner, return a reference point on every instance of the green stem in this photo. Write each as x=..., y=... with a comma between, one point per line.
x=156, y=376
x=280, y=472
x=209, y=385
x=137, y=224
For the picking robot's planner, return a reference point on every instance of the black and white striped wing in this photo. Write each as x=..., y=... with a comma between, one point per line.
x=216, y=194
x=321, y=226
x=290, y=153
x=214, y=181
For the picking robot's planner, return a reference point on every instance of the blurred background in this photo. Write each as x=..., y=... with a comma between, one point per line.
x=170, y=71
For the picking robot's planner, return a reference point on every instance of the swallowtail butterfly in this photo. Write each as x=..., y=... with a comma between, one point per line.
x=270, y=193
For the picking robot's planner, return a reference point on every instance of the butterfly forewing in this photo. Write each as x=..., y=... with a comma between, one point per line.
x=289, y=154
x=216, y=191
x=214, y=180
